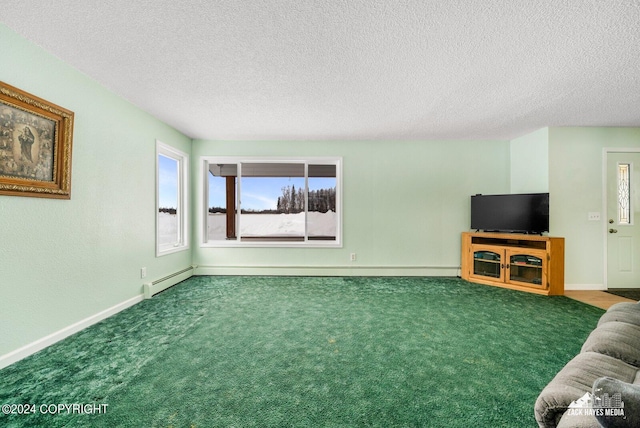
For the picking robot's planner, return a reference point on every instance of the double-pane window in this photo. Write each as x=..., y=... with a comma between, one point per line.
x=272, y=202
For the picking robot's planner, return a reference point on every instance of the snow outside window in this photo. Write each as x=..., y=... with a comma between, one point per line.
x=272, y=202
x=171, y=200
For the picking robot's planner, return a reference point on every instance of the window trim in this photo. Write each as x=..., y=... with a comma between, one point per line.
x=306, y=161
x=182, y=159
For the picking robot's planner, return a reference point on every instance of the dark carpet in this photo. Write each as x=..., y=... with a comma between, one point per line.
x=306, y=351
x=629, y=293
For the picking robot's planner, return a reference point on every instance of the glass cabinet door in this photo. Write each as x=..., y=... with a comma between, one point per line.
x=487, y=262
x=527, y=267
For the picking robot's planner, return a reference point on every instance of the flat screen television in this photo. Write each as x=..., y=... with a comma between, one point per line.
x=514, y=213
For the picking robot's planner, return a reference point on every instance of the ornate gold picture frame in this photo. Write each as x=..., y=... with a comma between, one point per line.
x=35, y=146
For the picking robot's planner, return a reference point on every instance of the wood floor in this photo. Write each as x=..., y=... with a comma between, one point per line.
x=600, y=299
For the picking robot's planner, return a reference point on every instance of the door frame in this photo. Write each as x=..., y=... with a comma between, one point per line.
x=603, y=215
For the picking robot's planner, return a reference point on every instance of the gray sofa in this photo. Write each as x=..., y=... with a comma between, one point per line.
x=609, y=362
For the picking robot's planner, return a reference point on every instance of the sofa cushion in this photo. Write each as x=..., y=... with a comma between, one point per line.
x=624, y=312
x=583, y=420
x=627, y=416
x=574, y=380
x=616, y=339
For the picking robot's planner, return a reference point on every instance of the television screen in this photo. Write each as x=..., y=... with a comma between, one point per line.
x=524, y=213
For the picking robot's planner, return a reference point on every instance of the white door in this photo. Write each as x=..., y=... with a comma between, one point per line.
x=623, y=218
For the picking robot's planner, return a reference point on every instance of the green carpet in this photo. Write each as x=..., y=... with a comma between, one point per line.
x=301, y=351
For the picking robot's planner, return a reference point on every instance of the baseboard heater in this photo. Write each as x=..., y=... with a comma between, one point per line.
x=162, y=284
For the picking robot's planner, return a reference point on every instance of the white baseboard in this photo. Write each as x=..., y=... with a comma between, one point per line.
x=40, y=344
x=579, y=287
x=330, y=270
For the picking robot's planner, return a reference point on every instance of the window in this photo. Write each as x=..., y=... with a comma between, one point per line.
x=624, y=194
x=171, y=200
x=272, y=202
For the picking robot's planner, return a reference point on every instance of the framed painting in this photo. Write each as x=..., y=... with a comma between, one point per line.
x=35, y=146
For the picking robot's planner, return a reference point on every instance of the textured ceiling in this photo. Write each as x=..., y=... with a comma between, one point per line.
x=352, y=69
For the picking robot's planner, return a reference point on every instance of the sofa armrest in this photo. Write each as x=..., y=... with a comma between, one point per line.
x=574, y=380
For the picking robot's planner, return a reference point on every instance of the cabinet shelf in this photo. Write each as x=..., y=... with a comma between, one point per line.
x=521, y=262
x=487, y=261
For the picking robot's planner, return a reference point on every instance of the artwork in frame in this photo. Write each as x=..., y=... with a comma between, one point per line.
x=35, y=146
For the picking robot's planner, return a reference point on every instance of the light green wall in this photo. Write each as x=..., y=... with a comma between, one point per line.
x=405, y=204
x=575, y=185
x=62, y=261
x=529, y=156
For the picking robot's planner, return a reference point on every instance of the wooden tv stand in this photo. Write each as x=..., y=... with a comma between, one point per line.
x=531, y=263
